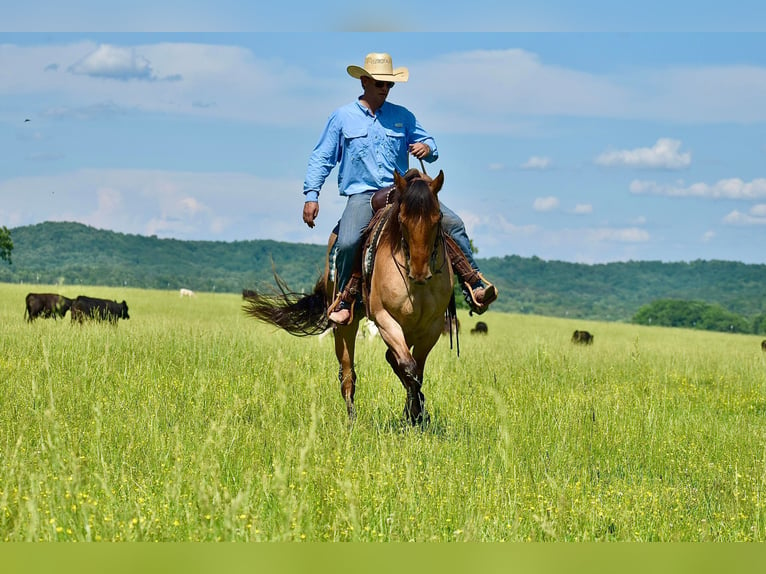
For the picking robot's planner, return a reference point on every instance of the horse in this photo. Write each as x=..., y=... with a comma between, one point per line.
x=406, y=293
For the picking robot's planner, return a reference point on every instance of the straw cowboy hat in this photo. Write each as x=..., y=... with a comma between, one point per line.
x=379, y=67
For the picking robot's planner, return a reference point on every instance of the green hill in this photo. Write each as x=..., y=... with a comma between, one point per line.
x=72, y=253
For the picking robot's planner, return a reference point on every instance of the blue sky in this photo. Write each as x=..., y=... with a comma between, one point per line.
x=557, y=139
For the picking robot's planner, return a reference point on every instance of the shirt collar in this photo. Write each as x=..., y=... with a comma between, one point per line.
x=367, y=111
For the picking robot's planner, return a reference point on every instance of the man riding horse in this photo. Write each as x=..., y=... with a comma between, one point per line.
x=371, y=138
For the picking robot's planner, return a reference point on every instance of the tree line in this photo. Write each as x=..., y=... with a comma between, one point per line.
x=698, y=315
x=71, y=253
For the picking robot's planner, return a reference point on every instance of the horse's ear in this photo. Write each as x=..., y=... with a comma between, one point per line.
x=399, y=182
x=437, y=183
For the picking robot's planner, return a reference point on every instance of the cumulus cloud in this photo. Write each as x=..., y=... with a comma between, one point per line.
x=536, y=162
x=756, y=216
x=117, y=63
x=733, y=188
x=519, y=86
x=583, y=209
x=545, y=203
x=108, y=204
x=185, y=205
x=664, y=154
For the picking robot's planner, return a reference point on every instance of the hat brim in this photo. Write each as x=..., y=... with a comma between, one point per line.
x=399, y=74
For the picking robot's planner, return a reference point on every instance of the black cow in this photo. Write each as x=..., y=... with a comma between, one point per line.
x=100, y=309
x=46, y=305
x=582, y=338
x=763, y=345
x=480, y=329
x=248, y=293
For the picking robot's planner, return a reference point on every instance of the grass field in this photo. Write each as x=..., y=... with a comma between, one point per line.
x=191, y=421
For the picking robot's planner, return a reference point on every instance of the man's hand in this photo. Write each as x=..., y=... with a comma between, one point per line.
x=310, y=212
x=419, y=150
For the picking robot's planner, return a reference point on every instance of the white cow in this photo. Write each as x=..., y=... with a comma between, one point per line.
x=187, y=293
x=368, y=329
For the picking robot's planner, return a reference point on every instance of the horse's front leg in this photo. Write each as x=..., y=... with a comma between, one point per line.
x=345, y=341
x=420, y=353
x=415, y=406
x=404, y=365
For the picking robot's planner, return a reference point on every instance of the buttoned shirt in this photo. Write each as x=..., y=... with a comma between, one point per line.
x=368, y=147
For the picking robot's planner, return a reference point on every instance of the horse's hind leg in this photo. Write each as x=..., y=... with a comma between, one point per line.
x=345, y=341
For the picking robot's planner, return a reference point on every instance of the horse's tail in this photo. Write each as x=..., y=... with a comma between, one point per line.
x=298, y=314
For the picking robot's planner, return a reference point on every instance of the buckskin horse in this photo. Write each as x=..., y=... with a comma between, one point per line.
x=406, y=293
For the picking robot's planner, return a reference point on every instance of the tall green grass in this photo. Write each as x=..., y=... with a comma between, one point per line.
x=191, y=421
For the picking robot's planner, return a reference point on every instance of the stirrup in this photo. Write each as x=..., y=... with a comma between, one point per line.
x=339, y=304
x=490, y=295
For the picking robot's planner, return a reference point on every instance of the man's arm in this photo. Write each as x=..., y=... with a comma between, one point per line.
x=323, y=159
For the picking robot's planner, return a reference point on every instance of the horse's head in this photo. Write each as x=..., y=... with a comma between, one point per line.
x=419, y=221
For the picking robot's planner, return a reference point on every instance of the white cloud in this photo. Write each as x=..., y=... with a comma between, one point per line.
x=620, y=235
x=663, y=155
x=708, y=236
x=116, y=63
x=511, y=229
x=185, y=205
x=545, y=203
x=496, y=166
x=536, y=162
x=517, y=85
x=733, y=188
x=756, y=216
x=583, y=209
x=218, y=81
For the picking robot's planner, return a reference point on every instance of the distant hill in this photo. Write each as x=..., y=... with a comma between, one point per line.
x=72, y=253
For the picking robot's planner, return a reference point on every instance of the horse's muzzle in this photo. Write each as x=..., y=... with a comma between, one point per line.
x=420, y=279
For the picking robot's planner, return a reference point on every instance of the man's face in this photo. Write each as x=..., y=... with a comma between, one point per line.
x=375, y=91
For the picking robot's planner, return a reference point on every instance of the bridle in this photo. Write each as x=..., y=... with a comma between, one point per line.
x=437, y=241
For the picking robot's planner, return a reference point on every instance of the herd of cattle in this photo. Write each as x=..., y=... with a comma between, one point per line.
x=53, y=305
x=48, y=305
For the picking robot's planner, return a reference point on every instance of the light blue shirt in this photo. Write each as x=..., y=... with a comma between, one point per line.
x=368, y=148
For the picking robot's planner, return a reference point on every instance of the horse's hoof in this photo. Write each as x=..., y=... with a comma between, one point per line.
x=421, y=419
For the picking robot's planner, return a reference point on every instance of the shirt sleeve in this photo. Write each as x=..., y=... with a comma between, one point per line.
x=419, y=135
x=323, y=159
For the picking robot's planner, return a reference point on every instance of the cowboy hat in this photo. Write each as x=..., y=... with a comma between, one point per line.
x=379, y=67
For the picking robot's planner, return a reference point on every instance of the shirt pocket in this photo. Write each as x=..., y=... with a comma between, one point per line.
x=356, y=142
x=395, y=144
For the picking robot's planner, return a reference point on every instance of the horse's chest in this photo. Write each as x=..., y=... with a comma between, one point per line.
x=419, y=304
